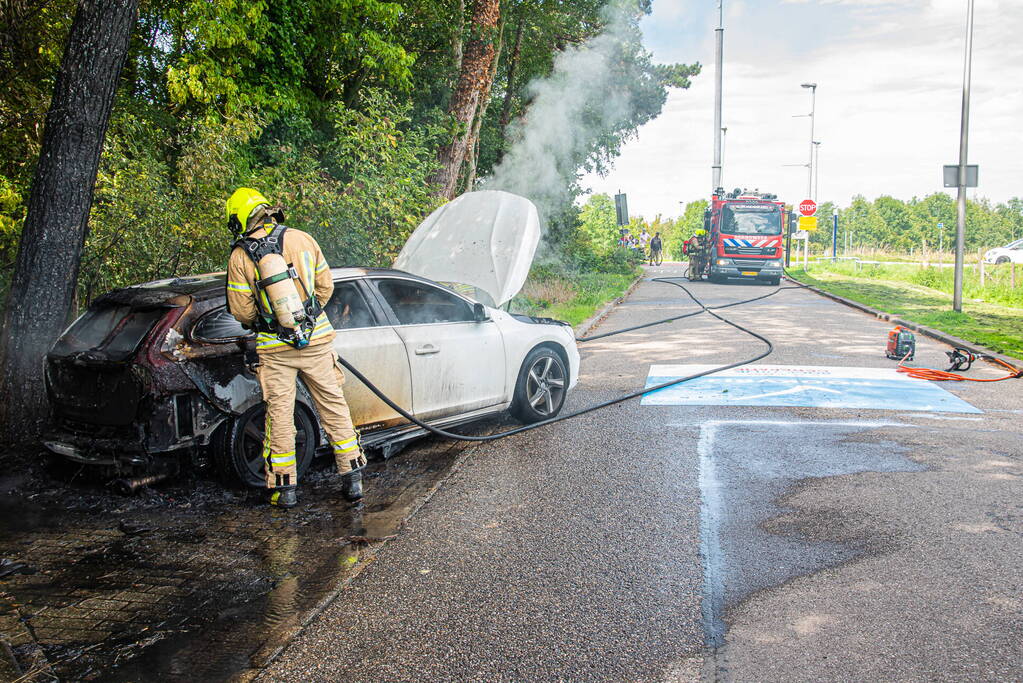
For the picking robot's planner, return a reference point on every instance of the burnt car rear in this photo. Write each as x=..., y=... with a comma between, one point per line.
x=118, y=396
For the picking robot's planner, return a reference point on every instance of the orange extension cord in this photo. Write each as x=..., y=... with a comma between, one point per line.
x=944, y=375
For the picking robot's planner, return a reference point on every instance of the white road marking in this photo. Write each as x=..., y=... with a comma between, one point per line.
x=711, y=510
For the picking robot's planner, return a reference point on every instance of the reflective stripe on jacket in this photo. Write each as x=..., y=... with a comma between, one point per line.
x=302, y=252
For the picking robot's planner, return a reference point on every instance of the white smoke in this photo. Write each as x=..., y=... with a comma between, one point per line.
x=581, y=100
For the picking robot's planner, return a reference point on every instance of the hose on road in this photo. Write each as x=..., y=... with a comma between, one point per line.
x=604, y=404
x=932, y=374
x=947, y=376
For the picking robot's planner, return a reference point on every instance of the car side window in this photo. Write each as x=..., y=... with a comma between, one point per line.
x=347, y=308
x=414, y=303
x=218, y=326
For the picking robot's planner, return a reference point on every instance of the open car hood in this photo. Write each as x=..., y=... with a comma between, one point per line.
x=483, y=239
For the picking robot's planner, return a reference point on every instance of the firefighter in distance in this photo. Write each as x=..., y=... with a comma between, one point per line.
x=696, y=249
x=277, y=285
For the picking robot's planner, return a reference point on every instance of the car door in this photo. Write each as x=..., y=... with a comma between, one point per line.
x=365, y=339
x=457, y=363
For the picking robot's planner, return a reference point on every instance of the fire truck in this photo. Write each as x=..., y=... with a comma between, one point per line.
x=745, y=237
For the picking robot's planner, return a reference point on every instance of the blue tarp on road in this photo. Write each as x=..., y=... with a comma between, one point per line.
x=802, y=386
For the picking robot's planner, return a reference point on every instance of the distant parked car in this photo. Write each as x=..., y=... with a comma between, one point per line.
x=156, y=372
x=1012, y=252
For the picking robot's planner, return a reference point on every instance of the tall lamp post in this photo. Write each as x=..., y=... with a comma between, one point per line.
x=957, y=291
x=719, y=51
x=813, y=109
x=817, y=169
x=721, y=171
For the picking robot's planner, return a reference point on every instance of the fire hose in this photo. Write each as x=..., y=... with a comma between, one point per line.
x=604, y=404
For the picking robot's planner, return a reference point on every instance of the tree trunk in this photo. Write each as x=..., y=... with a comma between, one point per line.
x=472, y=148
x=45, y=273
x=456, y=41
x=513, y=64
x=472, y=80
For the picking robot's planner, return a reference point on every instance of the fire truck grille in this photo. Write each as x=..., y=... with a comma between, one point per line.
x=748, y=263
x=750, y=251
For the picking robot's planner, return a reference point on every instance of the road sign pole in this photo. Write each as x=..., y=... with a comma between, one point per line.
x=957, y=291
x=834, y=234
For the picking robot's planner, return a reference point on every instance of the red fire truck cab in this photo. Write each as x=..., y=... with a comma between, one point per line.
x=745, y=236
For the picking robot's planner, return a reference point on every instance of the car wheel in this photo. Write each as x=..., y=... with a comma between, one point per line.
x=238, y=446
x=1002, y=259
x=541, y=387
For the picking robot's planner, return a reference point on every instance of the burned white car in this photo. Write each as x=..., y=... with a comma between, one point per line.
x=155, y=373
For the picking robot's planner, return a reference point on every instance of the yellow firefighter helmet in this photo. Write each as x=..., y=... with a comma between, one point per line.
x=240, y=206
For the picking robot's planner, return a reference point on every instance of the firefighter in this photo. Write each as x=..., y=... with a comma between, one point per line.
x=282, y=299
x=695, y=248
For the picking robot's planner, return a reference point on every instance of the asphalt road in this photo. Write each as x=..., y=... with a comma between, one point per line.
x=684, y=543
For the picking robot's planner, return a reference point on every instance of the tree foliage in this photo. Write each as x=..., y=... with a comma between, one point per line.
x=891, y=224
x=337, y=108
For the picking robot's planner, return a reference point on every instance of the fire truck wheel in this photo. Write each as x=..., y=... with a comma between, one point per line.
x=238, y=446
x=774, y=281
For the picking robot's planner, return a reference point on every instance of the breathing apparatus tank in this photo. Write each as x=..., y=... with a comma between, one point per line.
x=277, y=289
x=283, y=296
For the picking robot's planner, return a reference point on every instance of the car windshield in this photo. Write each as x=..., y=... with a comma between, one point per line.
x=114, y=330
x=752, y=220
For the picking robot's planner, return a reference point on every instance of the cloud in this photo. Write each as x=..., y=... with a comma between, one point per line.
x=888, y=101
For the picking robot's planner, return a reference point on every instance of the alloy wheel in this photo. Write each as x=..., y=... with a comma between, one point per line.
x=545, y=385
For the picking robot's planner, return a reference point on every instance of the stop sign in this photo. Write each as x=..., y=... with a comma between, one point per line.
x=808, y=207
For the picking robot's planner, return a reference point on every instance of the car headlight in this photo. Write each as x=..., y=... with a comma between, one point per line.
x=724, y=262
x=772, y=264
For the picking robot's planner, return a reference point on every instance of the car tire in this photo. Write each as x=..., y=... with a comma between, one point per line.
x=1002, y=259
x=238, y=446
x=541, y=387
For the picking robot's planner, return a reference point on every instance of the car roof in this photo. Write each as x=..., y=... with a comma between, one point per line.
x=210, y=285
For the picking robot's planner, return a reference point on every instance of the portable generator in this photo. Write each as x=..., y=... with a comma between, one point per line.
x=901, y=344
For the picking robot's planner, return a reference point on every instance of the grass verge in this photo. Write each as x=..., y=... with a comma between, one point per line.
x=572, y=298
x=994, y=325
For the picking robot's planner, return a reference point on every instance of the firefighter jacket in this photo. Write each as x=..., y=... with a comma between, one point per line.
x=302, y=252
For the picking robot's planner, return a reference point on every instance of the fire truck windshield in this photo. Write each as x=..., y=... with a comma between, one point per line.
x=752, y=219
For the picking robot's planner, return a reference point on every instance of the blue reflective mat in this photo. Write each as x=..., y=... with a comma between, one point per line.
x=802, y=386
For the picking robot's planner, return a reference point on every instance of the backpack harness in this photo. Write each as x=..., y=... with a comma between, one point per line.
x=266, y=322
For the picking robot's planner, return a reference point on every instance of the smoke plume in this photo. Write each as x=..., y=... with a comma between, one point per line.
x=589, y=96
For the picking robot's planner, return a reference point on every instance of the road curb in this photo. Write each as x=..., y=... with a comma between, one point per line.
x=937, y=335
x=587, y=326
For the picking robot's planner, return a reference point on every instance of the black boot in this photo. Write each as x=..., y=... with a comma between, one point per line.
x=284, y=496
x=352, y=485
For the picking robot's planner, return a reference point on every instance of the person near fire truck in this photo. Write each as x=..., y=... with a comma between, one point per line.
x=264, y=255
x=696, y=249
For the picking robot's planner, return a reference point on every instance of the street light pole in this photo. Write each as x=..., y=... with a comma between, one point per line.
x=813, y=109
x=721, y=173
x=957, y=291
x=719, y=39
x=817, y=170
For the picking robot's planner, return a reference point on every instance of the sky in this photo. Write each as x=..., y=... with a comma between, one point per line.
x=889, y=80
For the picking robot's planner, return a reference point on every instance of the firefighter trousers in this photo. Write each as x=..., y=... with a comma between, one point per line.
x=317, y=366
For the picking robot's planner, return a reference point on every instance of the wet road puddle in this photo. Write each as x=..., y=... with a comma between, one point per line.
x=203, y=585
x=745, y=468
